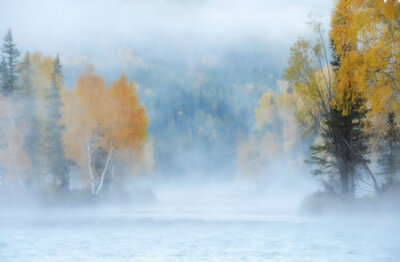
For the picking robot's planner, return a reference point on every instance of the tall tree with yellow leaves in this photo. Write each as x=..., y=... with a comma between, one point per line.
x=376, y=33
x=311, y=77
x=100, y=124
x=335, y=108
x=366, y=39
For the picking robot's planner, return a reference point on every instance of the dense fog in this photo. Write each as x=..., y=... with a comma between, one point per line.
x=173, y=130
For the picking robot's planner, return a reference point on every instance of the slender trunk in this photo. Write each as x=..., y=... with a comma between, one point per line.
x=91, y=176
x=112, y=176
x=365, y=165
x=103, y=173
x=391, y=165
x=344, y=178
x=352, y=183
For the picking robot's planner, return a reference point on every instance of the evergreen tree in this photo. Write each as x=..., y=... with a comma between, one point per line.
x=389, y=150
x=27, y=114
x=344, y=142
x=343, y=147
x=3, y=73
x=10, y=55
x=54, y=148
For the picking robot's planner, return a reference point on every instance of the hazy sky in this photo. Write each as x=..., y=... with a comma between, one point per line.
x=83, y=31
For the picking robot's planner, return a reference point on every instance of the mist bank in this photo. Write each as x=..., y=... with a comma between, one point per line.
x=195, y=109
x=194, y=62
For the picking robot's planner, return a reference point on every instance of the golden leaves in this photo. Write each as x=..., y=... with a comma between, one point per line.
x=265, y=113
x=366, y=36
x=106, y=119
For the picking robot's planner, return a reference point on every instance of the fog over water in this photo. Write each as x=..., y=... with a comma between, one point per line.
x=217, y=178
x=167, y=47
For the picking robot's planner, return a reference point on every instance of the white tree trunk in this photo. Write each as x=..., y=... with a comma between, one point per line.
x=91, y=176
x=103, y=173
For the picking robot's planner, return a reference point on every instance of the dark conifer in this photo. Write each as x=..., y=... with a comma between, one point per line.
x=54, y=148
x=389, y=151
x=27, y=114
x=344, y=144
x=10, y=55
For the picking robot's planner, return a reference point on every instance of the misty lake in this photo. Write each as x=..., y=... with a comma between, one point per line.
x=199, y=130
x=161, y=236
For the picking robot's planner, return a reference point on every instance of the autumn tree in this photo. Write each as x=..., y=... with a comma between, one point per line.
x=101, y=125
x=311, y=78
x=263, y=146
x=365, y=37
x=365, y=45
x=375, y=32
x=337, y=112
x=14, y=161
x=277, y=135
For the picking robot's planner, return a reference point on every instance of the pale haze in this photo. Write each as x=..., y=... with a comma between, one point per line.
x=173, y=130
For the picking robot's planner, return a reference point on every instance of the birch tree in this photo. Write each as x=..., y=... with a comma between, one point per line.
x=100, y=123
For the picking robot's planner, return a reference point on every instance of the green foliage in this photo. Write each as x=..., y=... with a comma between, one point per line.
x=389, y=150
x=309, y=74
x=27, y=114
x=341, y=144
x=342, y=148
x=3, y=72
x=10, y=55
x=53, y=136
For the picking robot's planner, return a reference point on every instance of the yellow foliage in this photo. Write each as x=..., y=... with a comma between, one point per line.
x=13, y=157
x=266, y=111
x=311, y=81
x=97, y=118
x=366, y=36
x=278, y=132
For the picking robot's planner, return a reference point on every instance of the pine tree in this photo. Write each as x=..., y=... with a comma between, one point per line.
x=10, y=54
x=389, y=150
x=344, y=142
x=26, y=101
x=3, y=73
x=343, y=147
x=54, y=148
